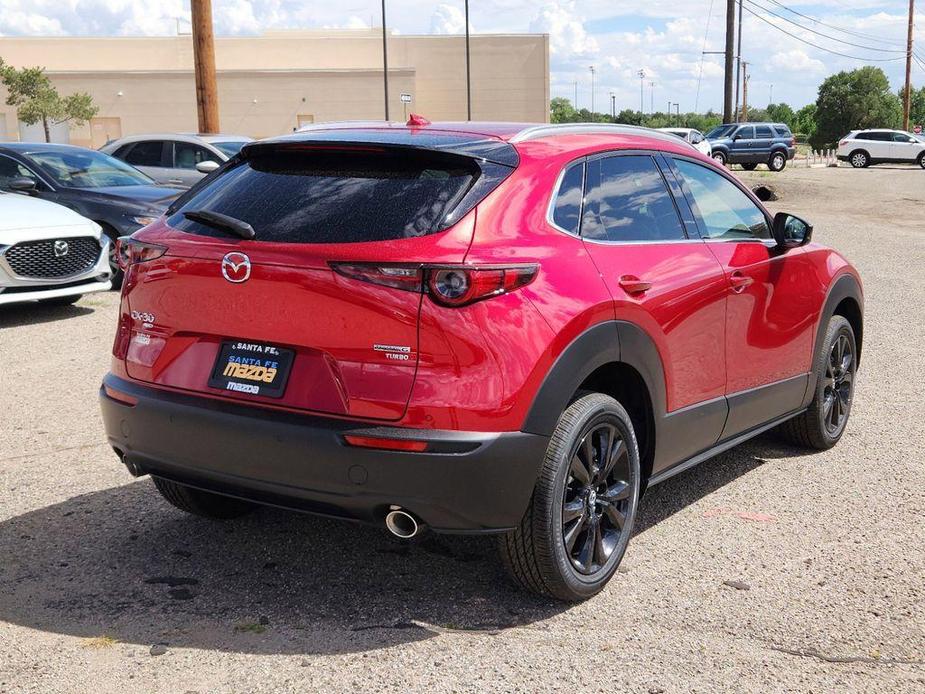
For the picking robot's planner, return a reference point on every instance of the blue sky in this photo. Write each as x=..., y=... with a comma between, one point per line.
x=664, y=38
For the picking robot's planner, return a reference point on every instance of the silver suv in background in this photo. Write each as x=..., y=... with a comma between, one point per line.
x=176, y=159
x=861, y=148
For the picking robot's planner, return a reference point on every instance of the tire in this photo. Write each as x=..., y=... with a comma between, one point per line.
x=749, y=167
x=535, y=553
x=777, y=161
x=61, y=300
x=921, y=160
x=117, y=273
x=859, y=159
x=719, y=158
x=816, y=428
x=200, y=503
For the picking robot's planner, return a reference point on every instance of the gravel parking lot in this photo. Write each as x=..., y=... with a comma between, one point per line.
x=765, y=569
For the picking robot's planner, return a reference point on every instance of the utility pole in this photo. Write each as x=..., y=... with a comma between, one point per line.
x=730, y=43
x=468, y=73
x=907, y=95
x=651, y=97
x=738, y=58
x=613, y=105
x=592, y=91
x=744, y=92
x=385, y=64
x=642, y=102
x=677, y=108
x=575, y=104
x=771, y=94
x=204, y=61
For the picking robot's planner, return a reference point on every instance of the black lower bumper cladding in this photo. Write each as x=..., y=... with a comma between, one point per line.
x=464, y=482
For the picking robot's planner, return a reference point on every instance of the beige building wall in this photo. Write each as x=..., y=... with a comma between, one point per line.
x=271, y=84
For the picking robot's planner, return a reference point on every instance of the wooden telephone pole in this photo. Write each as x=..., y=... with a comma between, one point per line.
x=744, y=118
x=907, y=94
x=730, y=46
x=204, y=60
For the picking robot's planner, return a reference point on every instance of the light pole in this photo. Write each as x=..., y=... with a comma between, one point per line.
x=651, y=97
x=468, y=81
x=613, y=105
x=771, y=95
x=642, y=78
x=592, y=91
x=385, y=64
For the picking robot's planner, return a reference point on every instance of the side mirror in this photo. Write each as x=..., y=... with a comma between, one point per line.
x=790, y=231
x=207, y=167
x=22, y=185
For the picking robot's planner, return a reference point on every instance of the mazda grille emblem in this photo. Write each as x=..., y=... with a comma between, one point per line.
x=60, y=248
x=236, y=267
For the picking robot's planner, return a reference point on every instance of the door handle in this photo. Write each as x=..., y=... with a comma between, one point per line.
x=633, y=285
x=739, y=281
x=175, y=180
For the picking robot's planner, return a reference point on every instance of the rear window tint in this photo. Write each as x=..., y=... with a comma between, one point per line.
x=335, y=196
x=782, y=131
x=763, y=131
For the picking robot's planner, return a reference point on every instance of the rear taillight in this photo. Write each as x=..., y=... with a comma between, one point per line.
x=129, y=250
x=447, y=285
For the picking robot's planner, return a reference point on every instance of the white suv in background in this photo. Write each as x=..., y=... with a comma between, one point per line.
x=693, y=137
x=862, y=148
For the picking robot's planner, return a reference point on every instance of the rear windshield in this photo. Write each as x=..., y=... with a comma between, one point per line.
x=334, y=196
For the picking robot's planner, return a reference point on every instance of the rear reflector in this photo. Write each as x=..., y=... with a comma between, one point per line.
x=386, y=444
x=119, y=396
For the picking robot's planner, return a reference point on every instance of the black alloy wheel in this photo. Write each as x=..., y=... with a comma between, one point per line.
x=596, y=499
x=837, y=385
x=578, y=523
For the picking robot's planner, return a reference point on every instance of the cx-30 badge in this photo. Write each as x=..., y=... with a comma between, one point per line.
x=61, y=248
x=236, y=267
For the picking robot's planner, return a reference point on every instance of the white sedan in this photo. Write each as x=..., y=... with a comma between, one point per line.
x=49, y=253
x=693, y=137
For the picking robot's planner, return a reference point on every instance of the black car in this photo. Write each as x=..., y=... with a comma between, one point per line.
x=115, y=195
x=750, y=144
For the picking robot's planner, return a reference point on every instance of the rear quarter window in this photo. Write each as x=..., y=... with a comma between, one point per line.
x=566, y=212
x=335, y=196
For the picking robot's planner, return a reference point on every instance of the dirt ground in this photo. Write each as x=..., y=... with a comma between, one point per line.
x=825, y=551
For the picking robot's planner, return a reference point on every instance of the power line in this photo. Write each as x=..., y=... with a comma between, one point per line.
x=706, y=34
x=817, y=46
x=827, y=36
x=880, y=39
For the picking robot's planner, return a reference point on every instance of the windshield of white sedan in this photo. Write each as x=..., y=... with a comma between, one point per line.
x=88, y=169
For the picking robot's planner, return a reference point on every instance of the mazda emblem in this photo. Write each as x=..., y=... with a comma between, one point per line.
x=61, y=248
x=236, y=267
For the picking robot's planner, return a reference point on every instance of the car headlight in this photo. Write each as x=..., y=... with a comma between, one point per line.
x=144, y=221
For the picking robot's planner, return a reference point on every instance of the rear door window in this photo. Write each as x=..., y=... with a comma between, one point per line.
x=147, y=153
x=628, y=200
x=335, y=196
x=763, y=131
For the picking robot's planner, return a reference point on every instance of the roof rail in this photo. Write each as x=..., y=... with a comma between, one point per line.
x=539, y=131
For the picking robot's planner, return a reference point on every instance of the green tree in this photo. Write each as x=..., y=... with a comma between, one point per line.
x=852, y=100
x=916, y=107
x=37, y=100
x=781, y=113
x=804, y=122
x=562, y=111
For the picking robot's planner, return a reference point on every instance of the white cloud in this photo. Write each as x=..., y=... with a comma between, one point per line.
x=449, y=19
x=567, y=35
x=797, y=60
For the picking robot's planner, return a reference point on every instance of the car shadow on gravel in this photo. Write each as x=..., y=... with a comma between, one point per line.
x=33, y=313
x=122, y=563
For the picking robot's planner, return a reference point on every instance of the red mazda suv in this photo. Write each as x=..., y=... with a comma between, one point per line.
x=472, y=328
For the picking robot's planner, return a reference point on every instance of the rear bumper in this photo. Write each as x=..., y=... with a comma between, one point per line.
x=470, y=482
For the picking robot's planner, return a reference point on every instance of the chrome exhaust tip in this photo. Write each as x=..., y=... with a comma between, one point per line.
x=401, y=523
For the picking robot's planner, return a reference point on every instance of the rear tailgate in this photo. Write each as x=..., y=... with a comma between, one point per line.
x=350, y=347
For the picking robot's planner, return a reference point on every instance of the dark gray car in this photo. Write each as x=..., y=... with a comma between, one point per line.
x=113, y=194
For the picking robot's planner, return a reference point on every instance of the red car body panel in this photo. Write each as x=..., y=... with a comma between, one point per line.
x=482, y=367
